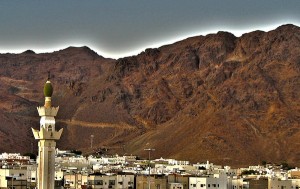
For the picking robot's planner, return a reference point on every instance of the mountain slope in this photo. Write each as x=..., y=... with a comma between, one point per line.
x=231, y=100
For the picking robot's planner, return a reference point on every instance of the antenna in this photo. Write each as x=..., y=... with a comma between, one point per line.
x=49, y=75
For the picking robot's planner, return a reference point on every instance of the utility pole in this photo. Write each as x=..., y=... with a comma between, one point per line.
x=32, y=147
x=92, y=137
x=149, y=155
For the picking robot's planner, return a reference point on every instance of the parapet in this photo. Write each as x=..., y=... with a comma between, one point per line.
x=47, y=111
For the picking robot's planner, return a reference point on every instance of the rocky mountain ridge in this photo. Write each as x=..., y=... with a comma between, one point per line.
x=230, y=100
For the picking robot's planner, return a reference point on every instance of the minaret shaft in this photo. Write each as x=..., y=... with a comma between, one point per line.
x=46, y=169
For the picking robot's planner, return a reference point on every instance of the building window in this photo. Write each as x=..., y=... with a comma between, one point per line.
x=202, y=185
x=98, y=182
x=208, y=185
x=111, y=182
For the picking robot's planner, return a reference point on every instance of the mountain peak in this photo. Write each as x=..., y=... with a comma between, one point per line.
x=84, y=50
x=28, y=52
x=287, y=26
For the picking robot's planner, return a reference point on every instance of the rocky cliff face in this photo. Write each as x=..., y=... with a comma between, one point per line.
x=217, y=97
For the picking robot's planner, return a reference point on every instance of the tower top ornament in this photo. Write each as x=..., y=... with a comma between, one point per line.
x=48, y=89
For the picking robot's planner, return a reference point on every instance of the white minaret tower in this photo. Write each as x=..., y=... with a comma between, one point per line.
x=47, y=136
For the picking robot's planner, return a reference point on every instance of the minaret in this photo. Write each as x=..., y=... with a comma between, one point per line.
x=47, y=136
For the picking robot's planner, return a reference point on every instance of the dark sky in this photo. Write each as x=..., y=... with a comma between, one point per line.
x=117, y=28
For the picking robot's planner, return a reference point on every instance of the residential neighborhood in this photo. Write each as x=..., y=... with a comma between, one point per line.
x=75, y=171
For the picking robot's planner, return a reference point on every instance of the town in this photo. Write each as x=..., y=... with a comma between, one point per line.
x=75, y=171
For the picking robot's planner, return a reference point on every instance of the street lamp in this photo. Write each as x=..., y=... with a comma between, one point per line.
x=149, y=154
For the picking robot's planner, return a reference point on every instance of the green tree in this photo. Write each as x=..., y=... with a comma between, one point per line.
x=31, y=155
x=249, y=172
x=77, y=152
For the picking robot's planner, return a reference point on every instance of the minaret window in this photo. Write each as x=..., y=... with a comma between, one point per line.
x=49, y=128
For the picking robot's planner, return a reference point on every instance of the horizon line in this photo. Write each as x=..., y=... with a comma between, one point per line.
x=137, y=51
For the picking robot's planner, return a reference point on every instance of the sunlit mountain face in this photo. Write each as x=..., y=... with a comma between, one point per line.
x=231, y=100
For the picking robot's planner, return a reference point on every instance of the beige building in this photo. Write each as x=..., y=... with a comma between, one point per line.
x=276, y=183
x=261, y=183
x=13, y=178
x=294, y=174
x=176, y=181
x=75, y=181
x=151, y=182
x=120, y=181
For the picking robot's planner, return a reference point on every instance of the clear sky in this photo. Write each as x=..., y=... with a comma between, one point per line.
x=118, y=28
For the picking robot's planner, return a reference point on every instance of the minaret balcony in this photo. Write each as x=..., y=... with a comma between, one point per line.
x=43, y=134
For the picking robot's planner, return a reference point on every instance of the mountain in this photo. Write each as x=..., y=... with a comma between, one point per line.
x=231, y=100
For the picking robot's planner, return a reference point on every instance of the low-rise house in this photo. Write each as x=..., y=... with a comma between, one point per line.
x=261, y=183
x=110, y=181
x=294, y=174
x=154, y=181
x=171, y=161
x=211, y=181
x=275, y=183
x=295, y=183
x=13, y=178
x=31, y=176
x=177, y=181
x=237, y=183
x=75, y=181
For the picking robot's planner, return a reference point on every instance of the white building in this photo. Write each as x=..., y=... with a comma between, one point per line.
x=295, y=183
x=5, y=156
x=209, y=182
